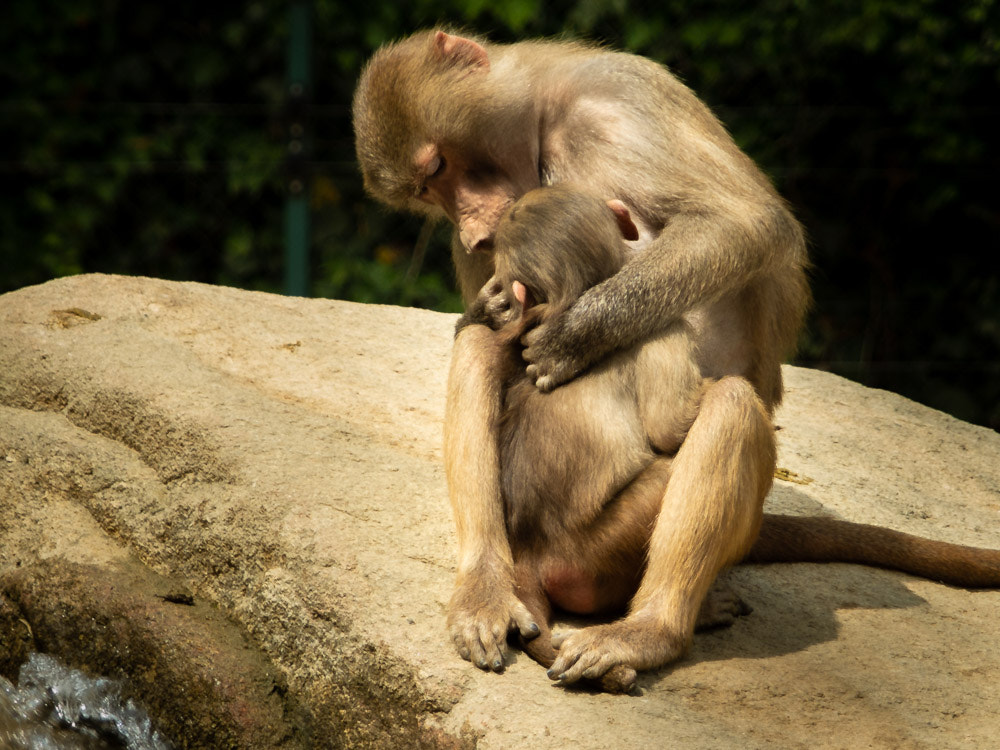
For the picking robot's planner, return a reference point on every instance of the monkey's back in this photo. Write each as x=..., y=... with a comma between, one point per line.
x=565, y=454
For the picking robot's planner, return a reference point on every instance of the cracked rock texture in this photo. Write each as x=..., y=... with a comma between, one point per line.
x=236, y=501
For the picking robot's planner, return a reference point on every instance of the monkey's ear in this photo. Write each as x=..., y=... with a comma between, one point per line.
x=461, y=51
x=625, y=224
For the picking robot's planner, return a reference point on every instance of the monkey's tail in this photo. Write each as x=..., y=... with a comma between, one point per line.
x=816, y=539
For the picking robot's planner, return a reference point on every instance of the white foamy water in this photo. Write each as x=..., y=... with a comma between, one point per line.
x=54, y=707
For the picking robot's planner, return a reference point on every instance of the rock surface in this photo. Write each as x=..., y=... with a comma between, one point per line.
x=246, y=490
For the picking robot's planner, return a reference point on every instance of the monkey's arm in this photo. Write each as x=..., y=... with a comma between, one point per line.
x=484, y=606
x=699, y=256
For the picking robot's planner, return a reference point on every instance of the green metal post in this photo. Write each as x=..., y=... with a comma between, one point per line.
x=297, y=207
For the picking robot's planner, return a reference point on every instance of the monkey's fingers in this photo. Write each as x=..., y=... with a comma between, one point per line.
x=597, y=666
x=494, y=302
x=720, y=608
x=549, y=373
x=546, y=383
x=534, y=353
x=482, y=644
x=524, y=621
x=486, y=649
x=493, y=640
x=463, y=650
x=482, y=637
x=543, y=381
x=492, y=287
x=617, y=679
x=560, y=636
x=572, y=646
x=570, y=667
x=586, y=654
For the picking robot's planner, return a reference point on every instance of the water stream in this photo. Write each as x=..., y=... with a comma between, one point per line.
x=54, y=707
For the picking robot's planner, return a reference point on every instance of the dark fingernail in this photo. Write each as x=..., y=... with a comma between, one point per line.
x=534, y=629
x=497, y=665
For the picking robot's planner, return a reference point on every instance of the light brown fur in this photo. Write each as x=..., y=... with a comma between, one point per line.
x=584, y=468
x=462, y=128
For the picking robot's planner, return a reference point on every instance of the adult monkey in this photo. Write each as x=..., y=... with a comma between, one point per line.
x=456, y=126
x=452, y=125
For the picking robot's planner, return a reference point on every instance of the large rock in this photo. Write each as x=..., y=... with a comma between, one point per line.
x=277, y=462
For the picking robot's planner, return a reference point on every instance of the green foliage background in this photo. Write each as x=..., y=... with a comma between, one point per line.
x=150, y=138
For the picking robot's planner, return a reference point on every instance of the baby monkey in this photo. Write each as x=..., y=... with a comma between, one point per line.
x=583, y=468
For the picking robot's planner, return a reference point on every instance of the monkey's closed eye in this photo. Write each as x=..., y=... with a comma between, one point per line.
x=437, y=167
x=434, y=168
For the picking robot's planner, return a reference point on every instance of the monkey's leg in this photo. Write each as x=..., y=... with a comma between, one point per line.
x=709, y=518
x=484, y=606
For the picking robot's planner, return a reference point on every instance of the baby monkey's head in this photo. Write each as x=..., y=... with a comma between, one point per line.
x=556, y=242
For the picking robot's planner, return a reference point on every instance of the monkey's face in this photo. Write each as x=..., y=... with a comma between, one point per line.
x=474, y=190
x=438, y=130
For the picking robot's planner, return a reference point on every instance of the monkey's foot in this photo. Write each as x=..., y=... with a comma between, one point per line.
x=592, y=653
x=480, y=615
x=721, y=607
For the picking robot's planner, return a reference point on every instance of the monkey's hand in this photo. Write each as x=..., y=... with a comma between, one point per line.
x=482, y=611
x=557, y=351
x=594, y=652
x=492, y=307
